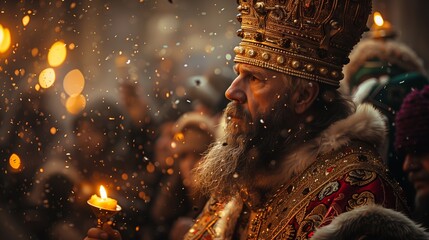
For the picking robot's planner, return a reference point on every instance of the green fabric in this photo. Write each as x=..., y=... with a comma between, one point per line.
x=389, y=96
x=374, y=68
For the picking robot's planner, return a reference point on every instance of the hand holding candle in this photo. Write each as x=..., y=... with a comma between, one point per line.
x=103, y=207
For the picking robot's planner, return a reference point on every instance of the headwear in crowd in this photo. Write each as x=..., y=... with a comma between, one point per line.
x=301, y=38
x=210, y=89
x=387, y=94
x=375, y=57
x=412, y=122
x=193, y=133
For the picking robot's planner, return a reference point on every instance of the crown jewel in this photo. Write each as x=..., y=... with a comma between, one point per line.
x=310, y=39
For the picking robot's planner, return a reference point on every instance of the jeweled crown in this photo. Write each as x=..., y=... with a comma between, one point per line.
x=309, y=39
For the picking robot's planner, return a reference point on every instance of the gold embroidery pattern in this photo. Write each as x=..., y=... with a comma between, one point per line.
x=284, y=213
x=288, y=233
x=360, y=199
x=329, y=189
x=311, y=221
x=360, y=177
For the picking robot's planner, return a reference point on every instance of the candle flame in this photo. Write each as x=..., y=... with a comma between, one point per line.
x=103, y=192
x=378, y=19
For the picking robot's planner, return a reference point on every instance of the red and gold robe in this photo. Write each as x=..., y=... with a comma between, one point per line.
x=337, y=182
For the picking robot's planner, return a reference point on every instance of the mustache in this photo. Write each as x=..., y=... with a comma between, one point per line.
x=419, y=176
x=234, y=110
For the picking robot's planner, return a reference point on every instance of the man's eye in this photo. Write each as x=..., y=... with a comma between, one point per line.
x=253, y=79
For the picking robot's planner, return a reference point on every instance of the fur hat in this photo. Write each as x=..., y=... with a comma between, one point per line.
x=412, y=128
x=387, y=94
x=193, y=133
x=374, y=57
x=371, y=222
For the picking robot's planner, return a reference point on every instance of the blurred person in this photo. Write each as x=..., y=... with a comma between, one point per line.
x=207, y=92
x=295, y=153
x=177, y=206
x=143, y=124
x=412, y=140
x=27, y=134
x=382, y=71
x=163, y=170
x=27, y=141
x=379, y=59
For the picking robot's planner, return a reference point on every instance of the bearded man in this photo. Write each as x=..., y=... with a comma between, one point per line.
x=295, y=153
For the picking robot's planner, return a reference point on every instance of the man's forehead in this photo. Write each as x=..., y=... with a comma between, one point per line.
x=242, y=67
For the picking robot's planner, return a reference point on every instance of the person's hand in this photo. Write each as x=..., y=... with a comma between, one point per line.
x=105, y=233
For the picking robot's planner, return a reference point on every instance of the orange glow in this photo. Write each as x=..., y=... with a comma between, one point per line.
x=57, y=54
x=47, y=78
x=103, y=193
x=25, y=20
x=5, y=39
x=104, y=202
x=378, y=19
x=150, y=168
x=75, y=104
x=74, y=82
x=14, y=161
x=34, y=52
x=53, y=130
x=179, y=136
x=124, y=176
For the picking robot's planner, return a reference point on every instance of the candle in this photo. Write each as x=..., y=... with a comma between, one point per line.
x=103, y=202
x=381, y=28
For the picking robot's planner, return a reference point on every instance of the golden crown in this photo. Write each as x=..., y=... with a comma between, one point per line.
x=309, y=39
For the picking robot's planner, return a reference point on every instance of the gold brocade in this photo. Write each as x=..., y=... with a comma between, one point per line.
x=295, y=209
x=309, y=39
x=360, y=177
x=291, y=201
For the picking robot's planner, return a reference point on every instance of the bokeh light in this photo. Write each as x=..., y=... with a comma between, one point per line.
x=25, y=20
x=53, y=130
x=378, y=19
x=75, y=104
x=15, y=161
x=74, y=82
x=57, y=54
x=47, y=78
x=34, y=52
x=5, y=39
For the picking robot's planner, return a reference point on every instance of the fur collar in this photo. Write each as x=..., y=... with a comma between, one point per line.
x=366, y=124
x=373, y=220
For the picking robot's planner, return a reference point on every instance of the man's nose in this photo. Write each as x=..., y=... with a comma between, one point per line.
x=236, y=91
x=411, y=163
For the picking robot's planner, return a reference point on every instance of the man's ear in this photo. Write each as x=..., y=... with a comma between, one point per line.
x=304, y=98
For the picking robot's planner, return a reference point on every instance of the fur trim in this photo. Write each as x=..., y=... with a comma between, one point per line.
x=364, y=89
x=390, y=51
x=225, y=227
x=366, y=124
x=371, y=222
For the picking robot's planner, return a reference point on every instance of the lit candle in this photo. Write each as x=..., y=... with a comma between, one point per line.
x=103, y=202
x=381, y=28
